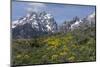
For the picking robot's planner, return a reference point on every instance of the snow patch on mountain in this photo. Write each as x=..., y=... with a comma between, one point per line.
x=76, y=24
x=14, y=23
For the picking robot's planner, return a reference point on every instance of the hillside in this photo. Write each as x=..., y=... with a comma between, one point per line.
x=56, y=48
x=74, y=41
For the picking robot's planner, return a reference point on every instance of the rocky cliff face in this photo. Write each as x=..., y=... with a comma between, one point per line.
x=34, y=24
x=76, y=22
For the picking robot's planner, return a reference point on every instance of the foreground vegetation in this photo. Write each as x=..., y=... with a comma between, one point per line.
x=74, y=46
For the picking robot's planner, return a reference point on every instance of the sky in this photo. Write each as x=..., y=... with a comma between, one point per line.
x=61, y=12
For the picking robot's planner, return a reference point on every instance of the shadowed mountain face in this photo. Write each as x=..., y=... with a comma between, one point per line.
x=34, y=24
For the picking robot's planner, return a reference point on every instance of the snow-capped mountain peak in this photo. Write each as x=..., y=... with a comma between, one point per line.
x=92, y=15
x=49, y=16
x=91, y=18
x=40, y=22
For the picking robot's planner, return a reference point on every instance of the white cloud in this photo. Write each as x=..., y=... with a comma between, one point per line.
x=29, y=9
x=35, y=6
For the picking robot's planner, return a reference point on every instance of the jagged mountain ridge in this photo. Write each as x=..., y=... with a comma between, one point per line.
x=34, y=24
x=76, y=22
x=43, y=20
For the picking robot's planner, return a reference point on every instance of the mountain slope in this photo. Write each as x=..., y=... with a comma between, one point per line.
x=34, y=24
x=76, y=23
